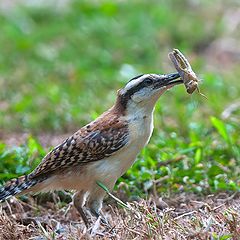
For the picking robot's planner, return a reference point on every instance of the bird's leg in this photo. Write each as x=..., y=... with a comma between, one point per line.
x=97, y=214
x=95, y=204
x=78, y=202
x=84, y=216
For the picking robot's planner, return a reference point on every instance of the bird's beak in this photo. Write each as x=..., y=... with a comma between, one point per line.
x=168, y=80
x=172, y=79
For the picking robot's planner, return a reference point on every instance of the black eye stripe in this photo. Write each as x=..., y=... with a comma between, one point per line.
x=128, y=94
x=148, y=81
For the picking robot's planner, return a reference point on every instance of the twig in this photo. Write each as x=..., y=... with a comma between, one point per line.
x=170, y=161
x=230, y=109
x=228, y=198
x=215, y=208
x=162, y=179
x=46, y=234
x=9, y=208
x=185, y=214
x=137, y=232
x=95, y=227
x=120, y=202
x=27, y=204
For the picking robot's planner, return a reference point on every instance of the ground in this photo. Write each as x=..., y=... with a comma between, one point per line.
x=182, y=216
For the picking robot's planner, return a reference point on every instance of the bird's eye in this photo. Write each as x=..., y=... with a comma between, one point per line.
x=148, y=81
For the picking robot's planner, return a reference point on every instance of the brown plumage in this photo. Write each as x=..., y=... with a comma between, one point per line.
x=95, y=141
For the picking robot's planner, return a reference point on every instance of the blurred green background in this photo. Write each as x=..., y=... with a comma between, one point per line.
x=61, y=63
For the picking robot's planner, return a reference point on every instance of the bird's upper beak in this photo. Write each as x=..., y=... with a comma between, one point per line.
x=168, y=80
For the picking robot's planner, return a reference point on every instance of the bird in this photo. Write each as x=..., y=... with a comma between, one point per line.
x=100, y=151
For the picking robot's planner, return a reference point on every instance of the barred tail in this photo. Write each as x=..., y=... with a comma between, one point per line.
x=16, y=186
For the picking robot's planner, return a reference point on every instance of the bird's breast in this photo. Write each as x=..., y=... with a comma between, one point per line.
x=140, y=130
x=111, y=168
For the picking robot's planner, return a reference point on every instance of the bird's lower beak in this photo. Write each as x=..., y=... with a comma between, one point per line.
x=168, y=80
x=172, y=79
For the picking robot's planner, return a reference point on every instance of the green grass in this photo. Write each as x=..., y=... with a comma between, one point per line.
x=59, y=69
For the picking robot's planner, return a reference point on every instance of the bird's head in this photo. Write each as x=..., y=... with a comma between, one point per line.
x=142, y=91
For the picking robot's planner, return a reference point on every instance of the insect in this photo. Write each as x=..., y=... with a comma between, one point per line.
x=185, y=71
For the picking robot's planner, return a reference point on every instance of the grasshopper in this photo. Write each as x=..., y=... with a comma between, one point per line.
x=185, y=71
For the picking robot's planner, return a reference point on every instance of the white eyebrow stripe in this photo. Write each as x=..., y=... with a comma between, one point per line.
x=132, y=83
x=135, y=82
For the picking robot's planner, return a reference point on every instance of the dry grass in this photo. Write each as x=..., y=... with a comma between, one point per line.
x=184, y=216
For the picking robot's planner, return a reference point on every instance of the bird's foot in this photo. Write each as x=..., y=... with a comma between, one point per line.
x=86, y=217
